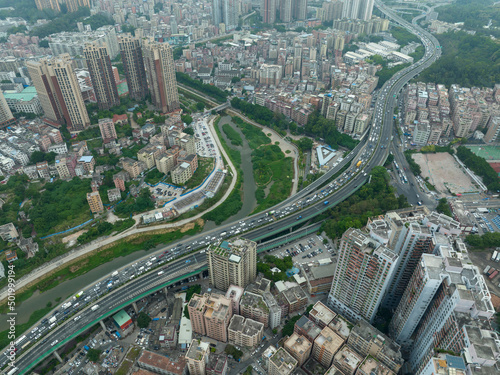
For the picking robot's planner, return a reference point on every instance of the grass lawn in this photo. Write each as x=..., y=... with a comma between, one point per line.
x=205, y=166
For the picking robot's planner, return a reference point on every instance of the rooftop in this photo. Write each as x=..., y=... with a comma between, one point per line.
x=371, y=366
x=121, y=317
x=162, y=362
x=322, y=313
x=348, y=358
x=329, y=339
x=283, y=361
x=298, y=343
x=198, y=350
x=247, y=327
x=26, y=95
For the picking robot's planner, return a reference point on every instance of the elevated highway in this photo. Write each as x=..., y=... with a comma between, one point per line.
x=291, y=214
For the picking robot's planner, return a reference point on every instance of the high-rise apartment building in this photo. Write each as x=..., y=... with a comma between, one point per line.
x=217, y=12
x=133, y=65
x=332, y=10
x=48, y=4
x=326, y=345
x=95, y=202
x=107, y=128
x=286, y=10
x=160, y=72
x=299, y=10
x=268, y=11
x=409, y=239
x=461, y=299
x=6, y=117
x=210, y=315
x=230, y=13
x=364, y=270
x=59, y=92
x=101, y=74
x=422, y=286
x=71, y=5
x=493, y=130
x=358, y=9
x=232, y=263
x=197, y=357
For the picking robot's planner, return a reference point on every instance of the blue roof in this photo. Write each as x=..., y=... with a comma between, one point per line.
x=455, y=362
x=225, y=245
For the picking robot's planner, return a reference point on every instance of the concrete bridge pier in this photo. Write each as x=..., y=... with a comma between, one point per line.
x=58, y=357
x=134, y=305
x=101, y=322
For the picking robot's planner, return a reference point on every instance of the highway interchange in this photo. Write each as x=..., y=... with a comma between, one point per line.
x=306, y=204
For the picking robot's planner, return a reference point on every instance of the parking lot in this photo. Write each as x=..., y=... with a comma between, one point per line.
x=164, y=191
x=305, y=250
x=206, y=146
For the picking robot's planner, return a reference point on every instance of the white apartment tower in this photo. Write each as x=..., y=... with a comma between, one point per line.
x=362, y=275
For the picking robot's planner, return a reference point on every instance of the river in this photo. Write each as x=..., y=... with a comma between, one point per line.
x=66, y=289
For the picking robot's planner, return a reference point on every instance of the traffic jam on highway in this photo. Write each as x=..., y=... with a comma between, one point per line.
x=71, y=310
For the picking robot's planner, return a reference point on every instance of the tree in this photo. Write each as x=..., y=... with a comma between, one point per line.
x=187, y=119
x=231, y=350
x=235, y=79
x=186, y=312
x=305, y=144
x=200, y=106
x=289, y=325
x=93, y=355
x=309, y=308
x=444, y=208
x=143, y=320
x=189, y=131
x=43, y=43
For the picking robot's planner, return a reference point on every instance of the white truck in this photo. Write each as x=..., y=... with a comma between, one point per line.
x=66, y=305
x=114, y=274
x=494, y=256
x=78, y=295
x=497, y=259
x=94, y=308
x=52, y=320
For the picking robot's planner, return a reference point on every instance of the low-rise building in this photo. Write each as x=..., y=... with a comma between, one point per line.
x=88, y=163
x=326, y=345
x=307, y=328
x=133, y=167
x=217, y=364
x=321, y=315
x=197, y=357
x=367, y=340
x=114, y=195
x=8, y=232
x=347, y=360
x=95, y=202
x=181, y=173
x=234, y=293
x=168, y=336
x=371, y=366
x=318, y=278
x=295, y=298
x=245, y=332
x=254, y=307
x=299, y=347
x=162, y=365
x=281, y=363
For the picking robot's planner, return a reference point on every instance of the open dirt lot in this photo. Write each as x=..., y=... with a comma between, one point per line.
x=444, y=173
